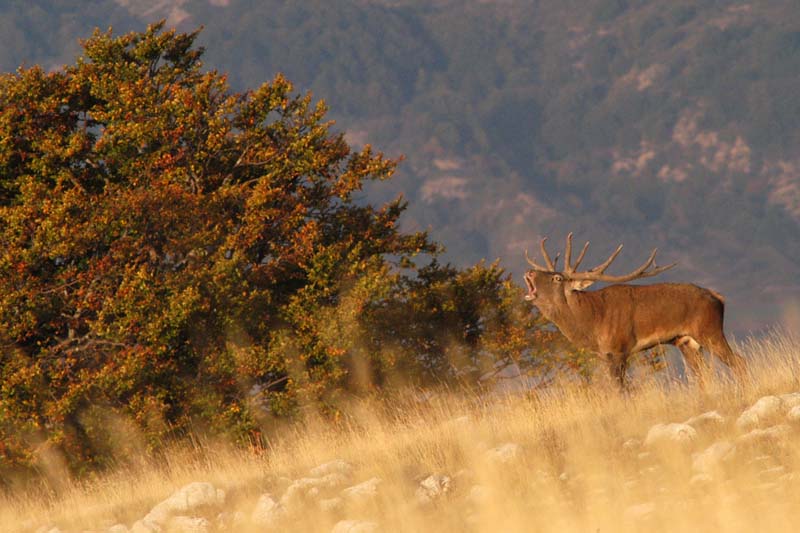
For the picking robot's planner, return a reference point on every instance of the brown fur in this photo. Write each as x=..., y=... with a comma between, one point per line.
x=620, y=320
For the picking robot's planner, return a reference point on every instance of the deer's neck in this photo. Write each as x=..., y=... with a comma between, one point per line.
x=575, y=317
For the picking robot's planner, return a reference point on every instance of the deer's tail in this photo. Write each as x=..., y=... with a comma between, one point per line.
x=717, y=295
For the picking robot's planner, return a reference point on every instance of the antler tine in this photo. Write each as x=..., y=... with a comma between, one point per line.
x=533, y=264
x=568, y=253
x=569, y=269
x=596, y=274
x=546, y=256
x=599, y=269
x=642, y=270
x=647, y=263
x=580, y=257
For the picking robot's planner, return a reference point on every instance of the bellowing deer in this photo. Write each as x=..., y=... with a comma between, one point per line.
x=619, y=320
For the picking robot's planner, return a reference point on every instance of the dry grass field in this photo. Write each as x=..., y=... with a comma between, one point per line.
x=573, y=458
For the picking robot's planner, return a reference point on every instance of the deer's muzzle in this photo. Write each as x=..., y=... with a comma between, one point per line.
x=531, y=288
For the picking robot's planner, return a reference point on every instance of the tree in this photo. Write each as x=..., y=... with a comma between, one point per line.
x=177, y=255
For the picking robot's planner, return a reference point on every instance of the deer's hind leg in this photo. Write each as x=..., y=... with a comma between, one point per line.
x=712, y=337
x=718, y=345
x=618, y=368
x=690, y=349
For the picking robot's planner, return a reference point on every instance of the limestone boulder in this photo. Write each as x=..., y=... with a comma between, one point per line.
x=363, y=493
x=793, y=415
x=505, y=454
x=190, y=500
x=433, y=488
x=267, y=513
x=355, y=526
x=337, y=466
x=763, y=412
x=713, y=458
x=662, y=436
x=307, y=489
x=188, y=524
x=707, y=423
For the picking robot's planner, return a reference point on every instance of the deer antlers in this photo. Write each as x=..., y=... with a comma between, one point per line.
x=551, y=265
x=597, y=273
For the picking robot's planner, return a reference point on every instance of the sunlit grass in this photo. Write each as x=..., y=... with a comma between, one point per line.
x=574, y=471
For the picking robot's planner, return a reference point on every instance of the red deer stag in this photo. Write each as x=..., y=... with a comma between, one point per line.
x=619, y=320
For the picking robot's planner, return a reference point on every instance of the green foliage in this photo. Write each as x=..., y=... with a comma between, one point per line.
x=179, y=256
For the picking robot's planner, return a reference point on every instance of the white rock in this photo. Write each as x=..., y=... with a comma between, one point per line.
x=188, y=524
x=794, y=414
x=767, y=406
x=770, y=434
x=650, y=471
x=363, y=492
x=432, y=488
x=661, y=435
x=639, y=512
x=479, y=495
x=710, y=420
x=747, y=420
x=118, y=528
x=772, y=473
x=354, y=526
x=463, y=476
x=769, y=486
x=141, y=526
x=699, y=480
x=267, y=512
x=308, y=488
x=712, y=458
x=504, y=454
x=632, y=445
x=762, y=461
x=230, y=521
x=330, y=505
x=790, y=400
x=766, y=409
x=185, y=501
x=631, y=484
x=333, y=480
x=337, y=466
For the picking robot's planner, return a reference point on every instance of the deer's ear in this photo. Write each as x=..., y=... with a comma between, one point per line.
x=579, y=284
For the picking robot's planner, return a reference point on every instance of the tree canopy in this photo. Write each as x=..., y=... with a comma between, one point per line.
x=177, y=256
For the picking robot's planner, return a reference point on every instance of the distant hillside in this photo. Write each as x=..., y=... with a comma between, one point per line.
x=675, y=126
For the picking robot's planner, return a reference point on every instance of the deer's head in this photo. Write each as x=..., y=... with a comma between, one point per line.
x=548, y=286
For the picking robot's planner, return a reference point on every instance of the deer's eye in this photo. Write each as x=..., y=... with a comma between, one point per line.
x=558, y=278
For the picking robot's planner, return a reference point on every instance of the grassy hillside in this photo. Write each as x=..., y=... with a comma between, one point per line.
x=565, y=459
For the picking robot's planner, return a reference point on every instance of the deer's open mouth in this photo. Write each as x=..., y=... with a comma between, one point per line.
x=531, y=288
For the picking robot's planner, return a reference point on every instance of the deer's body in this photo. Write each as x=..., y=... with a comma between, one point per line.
x=620, y=320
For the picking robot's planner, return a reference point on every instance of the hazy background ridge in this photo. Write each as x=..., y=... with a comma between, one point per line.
x=624, y=121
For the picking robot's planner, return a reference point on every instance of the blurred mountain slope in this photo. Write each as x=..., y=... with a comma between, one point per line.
x=672, y=125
